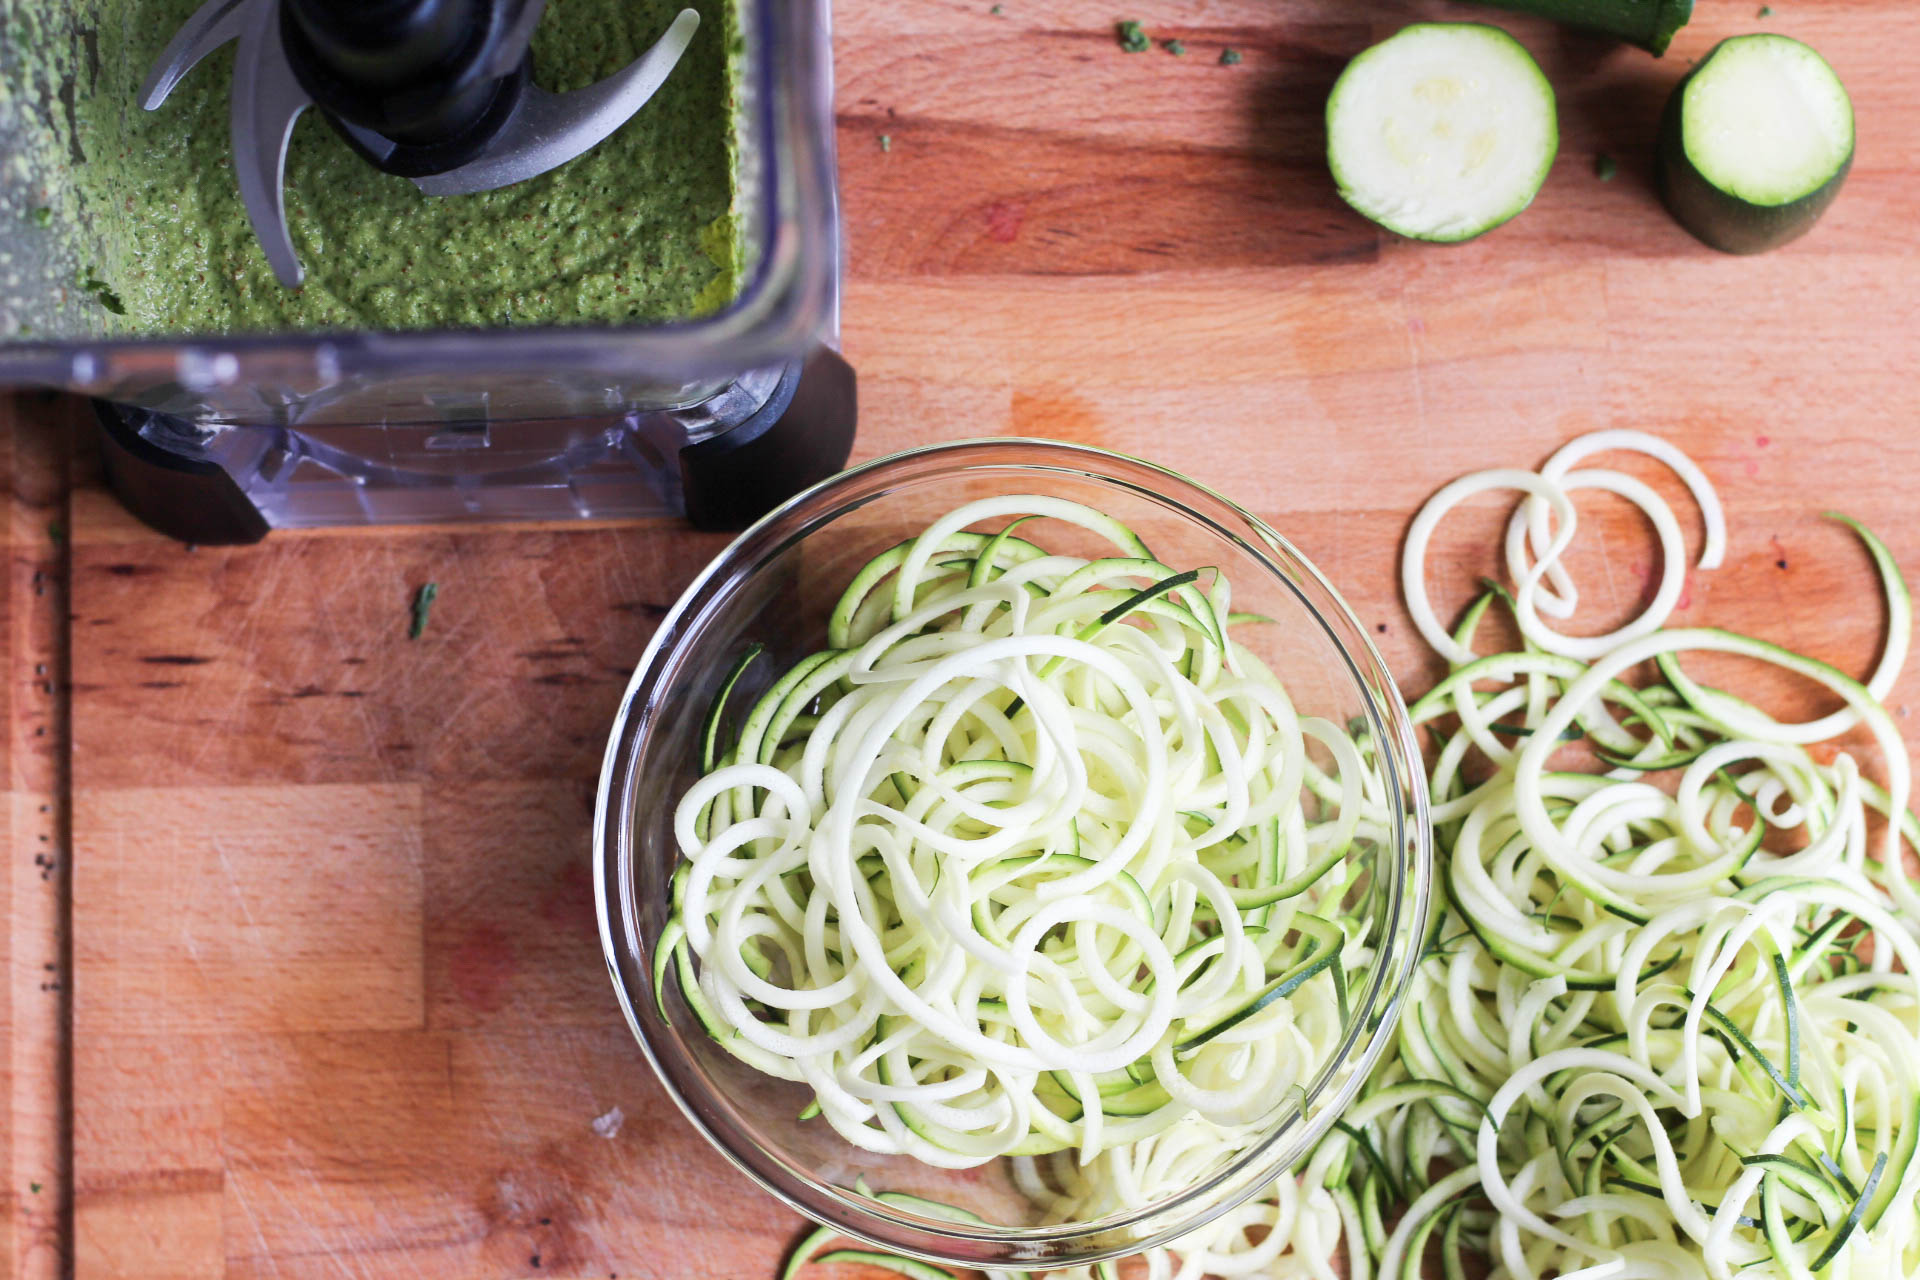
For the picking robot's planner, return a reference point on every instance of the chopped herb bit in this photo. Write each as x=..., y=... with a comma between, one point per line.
x=56, y=532
x=997, y=10
x=1178, y=48
x=1133, y=37
x=422, y=608
x=34, y=1187
x=886, y=142
x=103, y=293
x=43, y=216
x=1230, y=58
x=1766, y=11
x=1605, y=167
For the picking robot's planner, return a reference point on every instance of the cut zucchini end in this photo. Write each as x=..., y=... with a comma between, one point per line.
x=1674, y=14
x=1442, y=132
x=1765, y=119
x=1755, y=144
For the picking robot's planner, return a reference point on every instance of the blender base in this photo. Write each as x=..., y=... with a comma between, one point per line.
x=228, y=486
x=193, y=500
x=802, y=436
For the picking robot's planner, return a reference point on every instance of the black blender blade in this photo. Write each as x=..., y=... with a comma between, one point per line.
x=437, y=91
x=545, y=130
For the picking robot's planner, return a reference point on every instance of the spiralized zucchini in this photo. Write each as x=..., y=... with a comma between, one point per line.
x=1667, y=1024
x=1530, y=533
x=1035, y=858
x=1293, y=1230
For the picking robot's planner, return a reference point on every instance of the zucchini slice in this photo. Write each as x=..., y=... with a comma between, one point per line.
x=1756, y=142
x=1442, y=132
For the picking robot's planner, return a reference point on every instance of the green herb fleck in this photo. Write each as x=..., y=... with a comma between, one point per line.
x=1178, y=48
x=56, y=533
x=886, y=142
x=103, y=293
x=1230, y=58
x=1605, y=167
x=1133, y=37
x=997, y=10
x=422, y=607
x=34, y=1187
x=1766, y=11
x=43, y=216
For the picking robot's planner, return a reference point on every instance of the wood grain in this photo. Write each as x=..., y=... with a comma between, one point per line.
x=338, y=1003
x=35, y=1135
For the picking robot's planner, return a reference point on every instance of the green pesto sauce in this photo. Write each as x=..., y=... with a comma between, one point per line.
x=639, y=230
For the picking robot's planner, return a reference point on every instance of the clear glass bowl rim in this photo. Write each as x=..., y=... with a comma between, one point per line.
x=1064, y=1244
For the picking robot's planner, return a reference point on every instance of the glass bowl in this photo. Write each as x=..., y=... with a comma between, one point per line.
x=774, y=585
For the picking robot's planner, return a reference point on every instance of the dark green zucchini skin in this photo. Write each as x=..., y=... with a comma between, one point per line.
x=1651, y=24
x=1718, y=218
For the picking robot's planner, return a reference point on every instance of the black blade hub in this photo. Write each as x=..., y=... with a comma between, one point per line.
x=417, y=86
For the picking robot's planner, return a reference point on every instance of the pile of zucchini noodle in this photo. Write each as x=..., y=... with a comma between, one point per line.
x=1667, y=1021
x=1034, y=859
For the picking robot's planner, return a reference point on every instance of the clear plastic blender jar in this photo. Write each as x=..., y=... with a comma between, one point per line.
x=221, y=438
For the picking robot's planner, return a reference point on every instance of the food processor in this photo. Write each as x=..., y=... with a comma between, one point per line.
x=218, y=438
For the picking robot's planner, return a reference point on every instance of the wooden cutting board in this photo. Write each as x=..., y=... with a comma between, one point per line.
x=335, y=1004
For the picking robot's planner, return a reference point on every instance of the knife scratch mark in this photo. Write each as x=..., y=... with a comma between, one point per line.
x=238, y=1186
x=370, y=732
x=321, y=1247
x=233, y=881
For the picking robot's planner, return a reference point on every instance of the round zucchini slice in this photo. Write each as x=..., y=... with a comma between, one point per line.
x=1755, y=144
x=1442, y=132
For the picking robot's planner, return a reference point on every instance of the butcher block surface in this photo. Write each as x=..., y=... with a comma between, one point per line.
x=303, y=978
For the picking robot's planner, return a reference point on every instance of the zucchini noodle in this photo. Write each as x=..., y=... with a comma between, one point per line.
x=1293, y=1231
x=1530, y=534
x=1035, y=860
x=1667, y=1024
